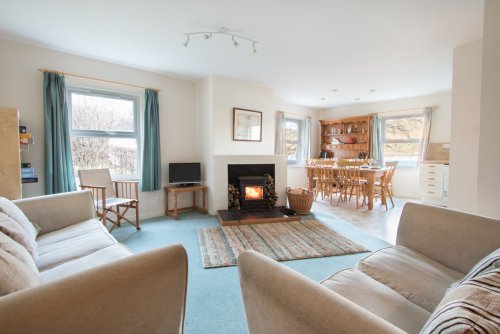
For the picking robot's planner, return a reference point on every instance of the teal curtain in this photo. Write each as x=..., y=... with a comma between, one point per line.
x=280, y=147
x=305, y=142
x=151, y=164
x=59, y=175
x=375, y=139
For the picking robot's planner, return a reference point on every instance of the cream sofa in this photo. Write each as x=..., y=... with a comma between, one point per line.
x=394, y=290
x=90, y=283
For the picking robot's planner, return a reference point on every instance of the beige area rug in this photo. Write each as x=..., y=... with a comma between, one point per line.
x=221, y=246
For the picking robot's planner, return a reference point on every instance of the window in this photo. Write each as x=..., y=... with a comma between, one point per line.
x=401, y=138
x=104, y=131
x=292, y=134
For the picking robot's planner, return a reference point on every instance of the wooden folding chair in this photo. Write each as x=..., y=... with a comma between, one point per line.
x=115, y=197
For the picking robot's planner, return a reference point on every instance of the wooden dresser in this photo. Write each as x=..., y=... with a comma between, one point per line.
x=10, y=161
x=345, y=138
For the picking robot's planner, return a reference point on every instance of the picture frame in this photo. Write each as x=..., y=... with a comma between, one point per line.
x=247, y=125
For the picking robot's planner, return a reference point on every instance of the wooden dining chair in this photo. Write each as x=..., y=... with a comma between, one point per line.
x=111, y=197
x=383, y=188
x=350, y=181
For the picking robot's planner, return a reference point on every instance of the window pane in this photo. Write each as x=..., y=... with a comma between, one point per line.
x=401, y=151
x=403, y=128
x=292, y=131
x=117, y=154
x=291, y=151
x=90, y=112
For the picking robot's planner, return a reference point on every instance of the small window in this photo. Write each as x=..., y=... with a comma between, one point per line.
x=104, y=131
x=401, y=138
x=292, y=133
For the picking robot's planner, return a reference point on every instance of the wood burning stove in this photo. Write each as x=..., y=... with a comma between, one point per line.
x=252, y=192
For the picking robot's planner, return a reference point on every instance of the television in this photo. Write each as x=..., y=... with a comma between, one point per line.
x=184, y=173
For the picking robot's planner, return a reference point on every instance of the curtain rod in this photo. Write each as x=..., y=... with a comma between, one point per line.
x=96, y=79
x=296, y=114
x=392, y=111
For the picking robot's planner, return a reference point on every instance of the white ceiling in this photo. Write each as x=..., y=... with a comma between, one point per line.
x=306, y=49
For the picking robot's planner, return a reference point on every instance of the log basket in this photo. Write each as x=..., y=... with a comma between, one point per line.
x=300, y=200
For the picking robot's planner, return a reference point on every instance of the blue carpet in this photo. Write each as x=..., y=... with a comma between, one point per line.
x=214, y=303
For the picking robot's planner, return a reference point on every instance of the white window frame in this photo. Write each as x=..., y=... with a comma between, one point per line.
x=404, y=141
x=135, y=134
x=297, y=142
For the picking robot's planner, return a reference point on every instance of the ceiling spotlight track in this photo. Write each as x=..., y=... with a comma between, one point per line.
x=236, y=39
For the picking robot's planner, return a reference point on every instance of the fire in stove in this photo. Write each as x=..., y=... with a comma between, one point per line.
x=254, y=193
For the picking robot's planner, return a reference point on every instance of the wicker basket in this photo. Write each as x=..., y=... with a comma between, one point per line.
x=300, y=200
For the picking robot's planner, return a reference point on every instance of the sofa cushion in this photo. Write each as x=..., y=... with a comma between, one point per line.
x=13, y=229
x=472, y=307
x=415, y=276
x=15, y=249
x=11, y=210
x=379, y=299
x=71, y=243
x=100, y=257
x=15, y=275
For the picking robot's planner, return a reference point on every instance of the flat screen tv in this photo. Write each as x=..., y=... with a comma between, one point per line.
x=184, y=173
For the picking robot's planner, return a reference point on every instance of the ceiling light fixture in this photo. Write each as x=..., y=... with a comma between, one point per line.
x=222, y=31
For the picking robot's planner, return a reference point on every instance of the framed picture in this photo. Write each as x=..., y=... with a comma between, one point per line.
x=247, y=125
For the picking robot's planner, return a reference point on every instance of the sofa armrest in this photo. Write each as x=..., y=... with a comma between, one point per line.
x=144, y=293
x=280, y=300
x=54, y=212
x=453, y=238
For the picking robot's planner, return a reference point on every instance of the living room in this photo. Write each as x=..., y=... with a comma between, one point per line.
x=389, y=60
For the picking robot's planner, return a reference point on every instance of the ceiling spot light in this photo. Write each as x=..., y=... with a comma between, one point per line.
x=323, y=99
x=225, y=32
x=372, y=90
x=357, y=99
x=334, y=90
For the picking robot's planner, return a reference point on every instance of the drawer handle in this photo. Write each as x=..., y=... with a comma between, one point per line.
x=432, y=173
x=431, y=192
x=430, y=185
x=431, y=178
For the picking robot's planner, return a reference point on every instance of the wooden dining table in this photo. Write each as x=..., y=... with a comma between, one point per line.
x=370, y=174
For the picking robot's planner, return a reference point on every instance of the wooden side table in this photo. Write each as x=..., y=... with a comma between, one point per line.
x=176, y=190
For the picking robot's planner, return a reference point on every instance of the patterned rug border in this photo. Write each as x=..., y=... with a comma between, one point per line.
x=283, y=241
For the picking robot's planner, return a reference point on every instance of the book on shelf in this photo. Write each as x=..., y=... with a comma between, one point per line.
x=29, y=179
x=25, y=164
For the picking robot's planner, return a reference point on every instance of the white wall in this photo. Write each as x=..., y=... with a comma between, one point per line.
x=466, y=105
x=222, y=95
x=489, y=143
x=406, y=180
x=21, y=87
x=204, y=129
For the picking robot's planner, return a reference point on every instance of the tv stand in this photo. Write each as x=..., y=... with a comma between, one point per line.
x=187, y=185
x=183, y=189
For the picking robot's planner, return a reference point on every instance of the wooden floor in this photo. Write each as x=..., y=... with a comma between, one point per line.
x=378, y=222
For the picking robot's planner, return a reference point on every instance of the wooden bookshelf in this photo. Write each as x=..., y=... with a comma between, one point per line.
x=346, y=138
x=10, y=163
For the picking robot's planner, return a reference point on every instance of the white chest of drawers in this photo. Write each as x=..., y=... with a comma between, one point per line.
x=434, y=183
